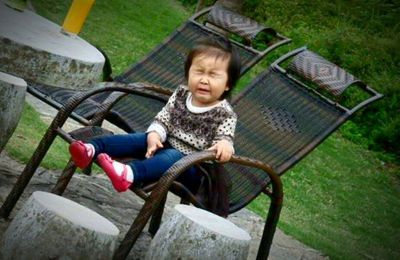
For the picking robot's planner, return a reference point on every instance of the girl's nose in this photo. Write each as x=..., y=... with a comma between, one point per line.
x=203, y=80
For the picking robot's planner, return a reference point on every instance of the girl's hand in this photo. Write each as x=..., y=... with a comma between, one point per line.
x=153, y=144
x=224, y=150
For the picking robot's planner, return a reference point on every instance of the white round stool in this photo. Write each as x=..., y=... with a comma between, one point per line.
x=52, y=227
x=193, y=233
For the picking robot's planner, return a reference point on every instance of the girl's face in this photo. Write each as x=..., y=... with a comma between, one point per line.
x=208, y=79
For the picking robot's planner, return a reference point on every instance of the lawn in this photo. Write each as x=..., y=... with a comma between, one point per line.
x=342, y=199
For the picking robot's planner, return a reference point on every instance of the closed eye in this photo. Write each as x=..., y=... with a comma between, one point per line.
x=198, y=71
x=215, y=74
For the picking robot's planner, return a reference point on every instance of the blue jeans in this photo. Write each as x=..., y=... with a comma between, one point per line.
x=144, y=170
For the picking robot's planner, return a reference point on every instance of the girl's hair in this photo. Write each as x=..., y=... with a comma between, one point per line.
x=220, y=47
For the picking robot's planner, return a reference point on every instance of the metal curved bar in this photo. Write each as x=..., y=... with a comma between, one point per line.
x=375, y=96
x=109, y=103
x=163, y=185
x=200, y=13
x=284, y=40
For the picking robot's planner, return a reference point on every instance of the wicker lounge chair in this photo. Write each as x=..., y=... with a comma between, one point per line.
x=281, y=119
x=164, y=66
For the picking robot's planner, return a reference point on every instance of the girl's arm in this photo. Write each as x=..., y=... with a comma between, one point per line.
x=223, y=142
x=158, y=129
x=161, y=120
x=153, y=144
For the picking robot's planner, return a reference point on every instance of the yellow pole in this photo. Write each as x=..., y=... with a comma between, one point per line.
x=77, y=15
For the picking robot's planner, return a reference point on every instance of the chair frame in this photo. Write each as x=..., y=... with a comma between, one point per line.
x=67, y=110
x=154, y=203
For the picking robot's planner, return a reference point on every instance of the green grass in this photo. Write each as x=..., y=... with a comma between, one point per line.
x=27, y=136
x=341, y=199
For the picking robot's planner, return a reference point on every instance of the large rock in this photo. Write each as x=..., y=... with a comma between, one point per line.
x=12, y=97
x=193, y=233
x=33, y=48
x=53, y=227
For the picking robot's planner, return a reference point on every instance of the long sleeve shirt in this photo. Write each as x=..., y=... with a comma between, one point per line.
x=188, y=128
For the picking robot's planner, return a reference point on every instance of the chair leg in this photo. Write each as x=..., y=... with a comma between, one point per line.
x=64, y=179
x=148, y=209
x=88, y=170
x=156, y=218
x=269, y=228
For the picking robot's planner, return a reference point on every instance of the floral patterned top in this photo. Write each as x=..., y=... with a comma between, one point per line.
x=188, y=128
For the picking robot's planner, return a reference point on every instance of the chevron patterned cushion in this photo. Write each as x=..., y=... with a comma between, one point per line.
x=236, y=23
x=322, y=72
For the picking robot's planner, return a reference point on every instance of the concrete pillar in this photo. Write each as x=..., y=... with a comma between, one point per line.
x=193, y=233
x=12, y=98
x=52, y=227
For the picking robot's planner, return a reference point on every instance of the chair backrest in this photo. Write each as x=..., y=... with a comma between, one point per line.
x=281, y=119
x=164, y=65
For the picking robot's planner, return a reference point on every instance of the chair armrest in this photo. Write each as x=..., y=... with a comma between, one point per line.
x=160, y=191
x=149, y=90
x=186, y=162
x=142, y=89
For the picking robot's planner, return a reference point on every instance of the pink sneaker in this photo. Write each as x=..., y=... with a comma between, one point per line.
x=116, y=171
x=81, y=153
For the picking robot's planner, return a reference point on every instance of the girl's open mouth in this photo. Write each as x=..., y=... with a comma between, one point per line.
x=203, y=91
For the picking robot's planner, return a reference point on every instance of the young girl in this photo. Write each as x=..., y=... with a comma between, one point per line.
x=196, y=117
